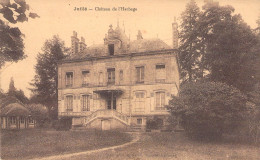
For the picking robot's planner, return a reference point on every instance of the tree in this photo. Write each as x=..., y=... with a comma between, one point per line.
x=46, y=78
x=18, y=94
x=189, y=43
x=229, y=42
x=11, y=38
x=39, y=112
x=209, y=109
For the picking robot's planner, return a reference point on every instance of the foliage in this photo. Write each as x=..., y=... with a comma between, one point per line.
x=189, y=43
x=217, y=44
x=154, y=123
x=18, y=94
x=209, y=109
x=46, y=78
x=11, y=38
x=39, y=112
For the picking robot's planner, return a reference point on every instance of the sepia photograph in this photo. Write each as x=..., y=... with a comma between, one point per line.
x=130, y=79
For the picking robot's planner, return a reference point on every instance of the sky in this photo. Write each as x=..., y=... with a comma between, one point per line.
x=57, y=17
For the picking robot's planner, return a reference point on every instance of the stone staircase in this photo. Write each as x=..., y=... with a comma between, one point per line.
x=107, y=113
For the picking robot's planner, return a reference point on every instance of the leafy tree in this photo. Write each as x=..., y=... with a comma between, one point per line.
x=46, y=78
x=229, y=42
x=39, y=112
x=11, y=38
x=189, y=43
x=209, y=109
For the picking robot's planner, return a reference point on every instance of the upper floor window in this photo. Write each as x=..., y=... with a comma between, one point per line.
x=69, y=79
x=111, y=76
x=100, y=78
x=160, y=73
x=85, y=103
x=140, y=74
x=69, y=103
x=111, y=49
x=85, y=78
x=121, y=75
x=160, y=100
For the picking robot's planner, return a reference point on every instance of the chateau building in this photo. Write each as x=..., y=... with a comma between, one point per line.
x=117, y=84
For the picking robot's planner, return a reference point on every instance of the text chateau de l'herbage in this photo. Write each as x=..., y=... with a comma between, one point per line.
x=117, y=84
x=105, y=9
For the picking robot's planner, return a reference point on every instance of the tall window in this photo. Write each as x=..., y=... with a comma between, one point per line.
x=100, y=78
x=85, y=78
x=85, y=103
x=69, y=79
x=160, y=73
x=69, y=103
x=121, y=75
x=139, y=102
x=111, y=49
x=160, y=100
x=111, y=75
x=140, y=74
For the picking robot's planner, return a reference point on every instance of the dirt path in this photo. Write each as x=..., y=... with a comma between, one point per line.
x=136, y=137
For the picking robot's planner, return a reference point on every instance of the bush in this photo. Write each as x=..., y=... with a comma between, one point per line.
x=154, y=123
x=209, y=109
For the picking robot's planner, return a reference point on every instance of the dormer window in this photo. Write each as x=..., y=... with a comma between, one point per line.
x=111, y=49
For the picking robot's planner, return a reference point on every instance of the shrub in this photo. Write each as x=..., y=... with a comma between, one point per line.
x=209, y=109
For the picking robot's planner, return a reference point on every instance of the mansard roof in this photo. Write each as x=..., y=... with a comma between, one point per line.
x=136, y=46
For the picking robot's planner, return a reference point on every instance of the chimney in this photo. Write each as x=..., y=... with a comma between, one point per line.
x=175, y=34
x=82, y=45
x=139, y=36
x=74, y=43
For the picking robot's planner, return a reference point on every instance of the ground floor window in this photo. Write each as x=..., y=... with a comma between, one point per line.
x=22, y=119
x=12, y=120
x=30, y=120
x=69, y=103
x=85, y=103
x=139, y=121
x=160, y=100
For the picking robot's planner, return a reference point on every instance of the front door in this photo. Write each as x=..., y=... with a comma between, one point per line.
x=111, y=102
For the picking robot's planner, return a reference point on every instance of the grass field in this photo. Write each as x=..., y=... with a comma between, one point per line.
x=33, y=143
x=175, y=146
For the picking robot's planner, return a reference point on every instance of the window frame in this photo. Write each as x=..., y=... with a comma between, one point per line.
x=85, y=83
x=159, y=68
x=85, y=105
x=69, y=83
x=69, y=106
x=160, y=105
x=140, y=73
x=111, y=75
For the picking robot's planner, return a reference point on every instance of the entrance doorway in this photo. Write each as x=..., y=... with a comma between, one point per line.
x=111, y=102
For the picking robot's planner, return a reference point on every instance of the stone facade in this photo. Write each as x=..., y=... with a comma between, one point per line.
x=117, y=84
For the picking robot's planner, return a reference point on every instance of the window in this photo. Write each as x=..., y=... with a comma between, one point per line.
x=160, y=101
x=121, y=75
x=12, y=120
x=111, y=75
x=69, y=79
x=140, y=74
x=85, y=78
x=100, y=78
x=69, y=103
x=85, y=103
x=30, y=120
x=22, y=120
x=139, y=121
x=111, y=49
x=160, y=73
x=139, y=102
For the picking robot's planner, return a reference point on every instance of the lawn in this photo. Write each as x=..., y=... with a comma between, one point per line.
x=35, y=143
x=175, y=146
